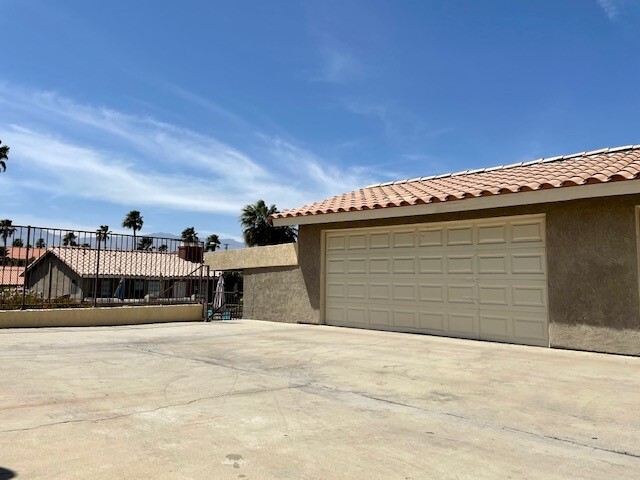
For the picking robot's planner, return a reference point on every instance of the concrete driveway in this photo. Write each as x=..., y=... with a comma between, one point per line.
x=258, y=400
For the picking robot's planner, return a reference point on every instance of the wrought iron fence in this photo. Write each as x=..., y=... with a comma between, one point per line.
x=50, y=267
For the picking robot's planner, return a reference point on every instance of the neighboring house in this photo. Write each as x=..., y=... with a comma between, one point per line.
x=71, y=271
x=538, y=253
x=20, y=256
x=11, y=278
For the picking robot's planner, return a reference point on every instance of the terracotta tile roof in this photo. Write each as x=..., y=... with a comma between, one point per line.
x=118, y=263
x=597, y=166
x=20, y=253
x=11, y=276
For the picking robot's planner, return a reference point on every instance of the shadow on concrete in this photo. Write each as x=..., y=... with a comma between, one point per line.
x=6, y=474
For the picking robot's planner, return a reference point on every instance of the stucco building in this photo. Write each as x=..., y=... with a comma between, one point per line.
x=538, y=253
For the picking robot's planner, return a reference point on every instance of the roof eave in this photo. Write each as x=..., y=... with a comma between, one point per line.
x=560, y=194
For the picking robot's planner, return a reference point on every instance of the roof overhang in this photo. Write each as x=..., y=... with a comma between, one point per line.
x=560, y=194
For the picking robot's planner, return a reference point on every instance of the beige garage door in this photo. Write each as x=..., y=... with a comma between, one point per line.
x=483, y=279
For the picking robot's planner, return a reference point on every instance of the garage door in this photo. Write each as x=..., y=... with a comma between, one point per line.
x=482, y=279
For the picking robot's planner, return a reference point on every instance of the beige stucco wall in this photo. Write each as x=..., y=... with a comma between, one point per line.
x=284, y=255
x=87, y=317
x=278, y=294
x=592, y=263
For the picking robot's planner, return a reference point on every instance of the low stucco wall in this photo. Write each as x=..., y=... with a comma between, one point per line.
x=277, y=294
x=284, y=255
x=91, y=317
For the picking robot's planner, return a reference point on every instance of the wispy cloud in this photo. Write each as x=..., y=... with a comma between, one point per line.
x=399, y=124
x=337, y=63
x=68, y=150
x=610, y=7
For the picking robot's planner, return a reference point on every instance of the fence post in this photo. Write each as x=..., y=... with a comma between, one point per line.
x=205, y=297
x=95, y=282
x=24, y=274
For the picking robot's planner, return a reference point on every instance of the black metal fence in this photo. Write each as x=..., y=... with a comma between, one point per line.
x=49, y=267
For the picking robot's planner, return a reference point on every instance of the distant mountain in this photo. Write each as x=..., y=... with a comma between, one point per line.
x=233, y=244
x=117, y=242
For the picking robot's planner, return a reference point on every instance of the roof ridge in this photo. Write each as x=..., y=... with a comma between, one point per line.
x=511, y=165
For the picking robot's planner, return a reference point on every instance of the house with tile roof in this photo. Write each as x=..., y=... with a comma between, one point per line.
x=71, y=271
x=538, y=253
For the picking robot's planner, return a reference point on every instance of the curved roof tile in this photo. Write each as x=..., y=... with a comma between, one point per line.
x=586, y=168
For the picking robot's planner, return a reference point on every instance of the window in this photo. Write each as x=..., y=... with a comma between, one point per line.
x=154, y=288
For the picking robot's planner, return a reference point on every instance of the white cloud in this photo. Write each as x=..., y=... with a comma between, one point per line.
x=337, y=63
x=610, y=7
x=69, y=150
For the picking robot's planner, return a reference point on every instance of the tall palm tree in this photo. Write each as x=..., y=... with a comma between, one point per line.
x=69, y=239
x=212, y=243
x=102, y=234
x=40, y=243
x=6, y=230
x=17, y=242
x=4, y=155
x=189, y=235
x=163, y=248
x=134, y=221
x=145, y=244
x=257, y=230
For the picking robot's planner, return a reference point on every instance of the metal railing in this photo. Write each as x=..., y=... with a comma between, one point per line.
x=230, y=307
x=44, y=267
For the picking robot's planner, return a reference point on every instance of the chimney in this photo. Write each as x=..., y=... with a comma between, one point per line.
x=190, y=252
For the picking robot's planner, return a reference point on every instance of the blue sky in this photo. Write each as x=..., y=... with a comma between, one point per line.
x=187, y=111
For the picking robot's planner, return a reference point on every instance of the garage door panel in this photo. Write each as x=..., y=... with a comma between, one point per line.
x=379, y=291
x=431, y=237
x=473, y=279
x=356, y=316
x=495, y=326
x=460, y=264
x=460, y=235
x=380, y=240
x=404, y=318
x=528, y=262
x=463, y=324
x=404, y=264
x=432, y=293
x=431, y=264
x=432, y=321
x=335, y=290
x=357, y=242
x=457, y=293
x=357, y=290
x=493, y=234
x=404, y=292
x=493, y=295
x=527, y=231
x=380, y=265
x=379, y=317
x=357, y=265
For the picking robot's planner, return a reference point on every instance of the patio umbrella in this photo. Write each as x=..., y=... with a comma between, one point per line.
x=218, y=296
x=119, y=293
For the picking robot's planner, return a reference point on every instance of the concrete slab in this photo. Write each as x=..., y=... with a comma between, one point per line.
x=257, y=400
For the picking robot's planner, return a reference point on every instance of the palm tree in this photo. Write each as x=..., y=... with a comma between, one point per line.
x=4, y=155
x=145, y=244
x=6, y=230
x=69, y=239
x=40, y=243
x=163, y=248
x=102, y=234
x=189, y=235
x=134, y=221
x=17, y=242
x=212, y=243
x=257, y=230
